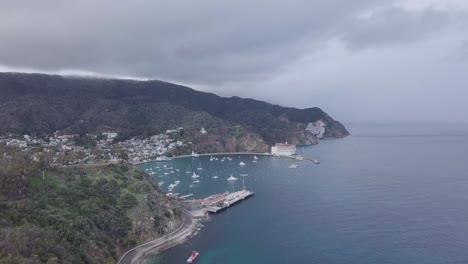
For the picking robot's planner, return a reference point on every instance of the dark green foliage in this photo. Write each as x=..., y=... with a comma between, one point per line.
x=138, y=176
x=128, y=200
x=67, y=215
x=85, y=141
x=37, y=103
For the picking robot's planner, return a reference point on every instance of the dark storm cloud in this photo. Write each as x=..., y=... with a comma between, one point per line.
x=195, y=41
x=354, y=58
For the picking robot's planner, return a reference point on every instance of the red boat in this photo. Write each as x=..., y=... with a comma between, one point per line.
x=193, y=257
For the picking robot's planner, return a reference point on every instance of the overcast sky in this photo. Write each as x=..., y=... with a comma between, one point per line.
x=359, y=60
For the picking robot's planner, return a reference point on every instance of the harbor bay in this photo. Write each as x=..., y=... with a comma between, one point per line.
x=383, y=195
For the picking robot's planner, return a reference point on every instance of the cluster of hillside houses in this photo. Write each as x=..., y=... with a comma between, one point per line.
x=64, y=149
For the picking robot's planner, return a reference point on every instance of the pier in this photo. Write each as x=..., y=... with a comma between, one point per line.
x=228, y=200
x=215, y=203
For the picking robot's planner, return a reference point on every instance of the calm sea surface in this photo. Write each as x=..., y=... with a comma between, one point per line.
x=386, y=194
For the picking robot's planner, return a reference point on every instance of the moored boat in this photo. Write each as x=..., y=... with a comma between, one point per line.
x=232, y=178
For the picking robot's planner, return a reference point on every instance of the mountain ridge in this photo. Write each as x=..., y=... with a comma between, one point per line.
x=42, y=103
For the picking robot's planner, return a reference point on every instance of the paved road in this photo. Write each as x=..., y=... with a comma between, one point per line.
x=133, y=254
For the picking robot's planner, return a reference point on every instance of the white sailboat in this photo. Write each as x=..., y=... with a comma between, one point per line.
x=242, y=164
x=232, y=178
x=195, y=175
x=195, y=155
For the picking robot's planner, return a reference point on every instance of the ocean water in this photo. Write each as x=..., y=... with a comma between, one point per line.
x=386, y=194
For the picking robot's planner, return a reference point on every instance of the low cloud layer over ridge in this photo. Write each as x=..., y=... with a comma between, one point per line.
x=353, y=58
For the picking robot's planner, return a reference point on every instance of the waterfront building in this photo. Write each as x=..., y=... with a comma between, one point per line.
x=283, y=149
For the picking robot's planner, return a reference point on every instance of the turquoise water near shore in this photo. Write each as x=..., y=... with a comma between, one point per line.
x=386, y=194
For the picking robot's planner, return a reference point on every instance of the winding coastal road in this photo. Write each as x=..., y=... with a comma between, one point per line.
x=177, y=236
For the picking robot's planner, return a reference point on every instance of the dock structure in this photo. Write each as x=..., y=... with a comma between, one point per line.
x=226, y=201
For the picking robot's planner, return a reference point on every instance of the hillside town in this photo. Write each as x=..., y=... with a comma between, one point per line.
x=72, y=149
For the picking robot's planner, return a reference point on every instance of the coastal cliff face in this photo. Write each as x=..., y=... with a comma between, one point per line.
x=310, y=133
x=78, y=214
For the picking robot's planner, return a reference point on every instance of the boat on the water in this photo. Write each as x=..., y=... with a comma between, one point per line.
x=293, y=166
x=255, y=157
x=242, y=164
x=232, y=178
x=195, y=175
x=193, y=257
x=195, y=155
x=215, y=177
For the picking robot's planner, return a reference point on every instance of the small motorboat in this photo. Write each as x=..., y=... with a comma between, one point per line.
x=293, y=166
x=193, y=257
